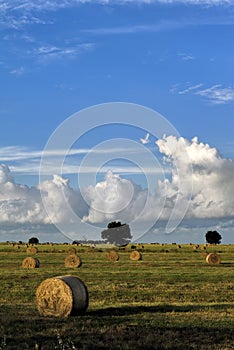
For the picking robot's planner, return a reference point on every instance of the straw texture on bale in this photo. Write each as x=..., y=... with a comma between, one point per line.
x=113, y=255
x=213, y=259
x=135, y=255
x=62, y=296
x=32, y=250
x=72, y=250
x=30, y=263
x=73, y=261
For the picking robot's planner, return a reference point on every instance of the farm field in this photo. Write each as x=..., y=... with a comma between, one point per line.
x=171, y=299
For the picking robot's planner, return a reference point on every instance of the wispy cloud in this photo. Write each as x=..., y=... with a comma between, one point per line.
x=18, y=71
x=163, y=25
x=216, y=94
x=190, y=88
x=185, y=56
x=52, y=52
x=52, y=5
x=17, y=13
x=22, y=160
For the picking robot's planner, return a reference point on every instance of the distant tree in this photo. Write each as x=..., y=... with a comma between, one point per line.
x=33, y=240
x=213, y=237
x=76, y=242
x=117, y=233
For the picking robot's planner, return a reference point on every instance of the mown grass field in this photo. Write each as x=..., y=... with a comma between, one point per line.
x=172, y=299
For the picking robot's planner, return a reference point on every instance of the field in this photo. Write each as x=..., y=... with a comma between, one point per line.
x=172, y=299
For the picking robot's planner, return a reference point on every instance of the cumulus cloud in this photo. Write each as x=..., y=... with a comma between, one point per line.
x=212, y=177
x=23, y=204
x=203, y=170
x=114, y=198
x=209, y=199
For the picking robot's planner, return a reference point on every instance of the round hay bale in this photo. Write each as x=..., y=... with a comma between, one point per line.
x=72, y=250
x=213, y=259
x=30, y=263
x=135, y=255
x=113, y=255
x=73, y=261
x=32, y=250
x=62, y=296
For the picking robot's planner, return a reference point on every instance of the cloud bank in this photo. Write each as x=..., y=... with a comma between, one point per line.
x=116, y=198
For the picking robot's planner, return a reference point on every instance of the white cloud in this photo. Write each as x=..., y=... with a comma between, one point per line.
x=22, y=204
x=18, y=71
x=16, y=14
x=216, y=94
x=189, y=89
x=22, y=160
x=213, y=177
x=116, y=198
x=52, y=5
x=48, y=53
x=186, y=56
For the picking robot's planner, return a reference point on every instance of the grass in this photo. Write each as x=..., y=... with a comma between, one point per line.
x=172, y=299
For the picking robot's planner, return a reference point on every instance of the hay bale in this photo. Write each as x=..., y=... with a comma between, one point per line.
x=32, y=250
x=72, y=250
x=213, y=259
x=62, y=296
x=135, y=255
x=73, y=261
x=30, y=263
x=113, y=255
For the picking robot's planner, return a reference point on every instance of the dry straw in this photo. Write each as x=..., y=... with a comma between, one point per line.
x=113, y=255
x=135, y=255
x=30, y=263
x=213, y=259
x=32, y=250
x=62, y=296
x=73, y=261
x=72, y=250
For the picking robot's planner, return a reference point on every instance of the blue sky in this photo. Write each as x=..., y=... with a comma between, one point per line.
x=58, y=57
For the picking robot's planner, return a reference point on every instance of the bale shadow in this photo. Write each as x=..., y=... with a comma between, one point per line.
x=133, y=310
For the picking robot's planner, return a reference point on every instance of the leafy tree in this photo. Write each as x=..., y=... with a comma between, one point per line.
x=117, y=233
x=76, y=242
x=33, y=240
x=213, y=237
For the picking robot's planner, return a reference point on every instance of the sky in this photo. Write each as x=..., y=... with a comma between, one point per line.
x=116, y=110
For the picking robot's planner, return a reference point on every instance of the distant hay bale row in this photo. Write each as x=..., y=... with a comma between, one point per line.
x=72, y=250
x=32, y=250
x=30, y=263
x=213, y=259
x=73, y=260
x=135, y=255
x=113, y=255
x=62, y=296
